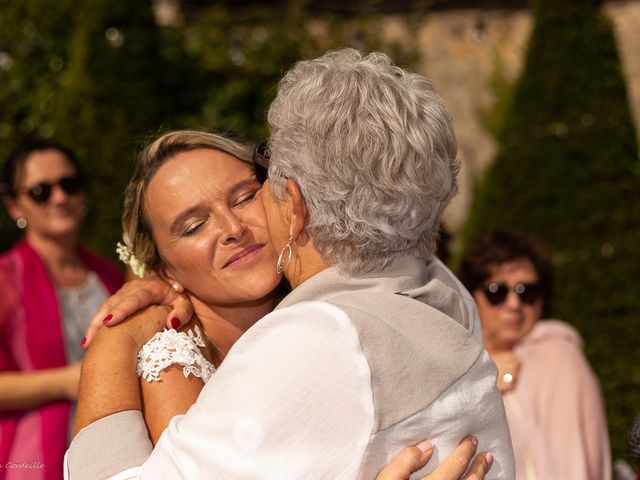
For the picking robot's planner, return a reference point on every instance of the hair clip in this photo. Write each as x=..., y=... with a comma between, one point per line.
x=127, y=257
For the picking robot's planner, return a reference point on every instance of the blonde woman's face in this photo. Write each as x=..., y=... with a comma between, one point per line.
x=210, y=227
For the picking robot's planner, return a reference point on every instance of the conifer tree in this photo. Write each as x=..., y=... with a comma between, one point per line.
x=567, y=172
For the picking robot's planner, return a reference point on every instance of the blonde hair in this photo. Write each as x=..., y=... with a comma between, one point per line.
x=136, y=233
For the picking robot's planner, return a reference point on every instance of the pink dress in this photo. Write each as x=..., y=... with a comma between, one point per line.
x=31, y=338
x=556, y=412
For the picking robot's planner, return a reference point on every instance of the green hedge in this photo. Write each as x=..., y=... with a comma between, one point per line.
x=102, y=77
x=89, y=76
x=567, y=171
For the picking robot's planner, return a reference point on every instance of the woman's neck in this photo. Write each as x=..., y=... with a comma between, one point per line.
x=224, y=325
x=307, y=262
x=60, y=258
x=493, y=348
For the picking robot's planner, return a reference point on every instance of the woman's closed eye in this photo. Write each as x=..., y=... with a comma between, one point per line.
x=245, y=198
x=192, y=228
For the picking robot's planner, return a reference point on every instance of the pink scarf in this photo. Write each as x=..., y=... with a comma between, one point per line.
x=31, y=339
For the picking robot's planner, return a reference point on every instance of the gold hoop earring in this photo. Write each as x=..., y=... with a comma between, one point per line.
x=286, y=250
x=21, y=223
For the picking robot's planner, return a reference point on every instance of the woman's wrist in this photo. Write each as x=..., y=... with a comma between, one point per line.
x=108, y=381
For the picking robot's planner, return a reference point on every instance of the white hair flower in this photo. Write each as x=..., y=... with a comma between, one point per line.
x=127, y=257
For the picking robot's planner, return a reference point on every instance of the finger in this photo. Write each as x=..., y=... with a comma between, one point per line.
x=480, y=466
x=95, y=323
x=181, y=312
x=456, y=463
x=409, y=460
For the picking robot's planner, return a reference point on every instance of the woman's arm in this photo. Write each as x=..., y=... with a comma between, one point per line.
x=24, y=390
x=171, y=396
x=108, y=381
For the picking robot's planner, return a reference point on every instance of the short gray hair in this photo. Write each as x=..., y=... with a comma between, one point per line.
x=372, y=148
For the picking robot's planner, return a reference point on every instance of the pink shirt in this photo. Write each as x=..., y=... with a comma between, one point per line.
x=556, y=412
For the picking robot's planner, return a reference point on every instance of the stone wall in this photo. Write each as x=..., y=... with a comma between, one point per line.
x=461, y=51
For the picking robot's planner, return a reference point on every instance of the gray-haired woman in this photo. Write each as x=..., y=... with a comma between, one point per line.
x=378, y=344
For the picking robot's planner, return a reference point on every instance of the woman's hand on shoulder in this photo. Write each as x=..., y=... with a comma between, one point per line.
x=135, y=331
x=412, y=459
x=137, y=295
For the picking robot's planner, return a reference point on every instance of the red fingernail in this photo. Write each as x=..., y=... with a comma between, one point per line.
x=107, y=318
x=175, y=323
x=83, y=342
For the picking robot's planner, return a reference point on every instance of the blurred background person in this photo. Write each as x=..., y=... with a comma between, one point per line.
x=50, y=287
x=552, y=397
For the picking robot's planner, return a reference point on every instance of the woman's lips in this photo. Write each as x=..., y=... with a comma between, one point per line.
x=245, y=255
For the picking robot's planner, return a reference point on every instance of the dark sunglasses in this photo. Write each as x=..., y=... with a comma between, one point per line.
x=261, y=158
x=496, y=293
x=41, y=192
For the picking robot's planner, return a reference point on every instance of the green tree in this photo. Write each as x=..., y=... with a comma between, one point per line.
x=567, y=172
x=90, y=76
x=102, y=77
x=241, y=54
x=30, y=65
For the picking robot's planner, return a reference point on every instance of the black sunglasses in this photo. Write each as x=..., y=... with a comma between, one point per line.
x=496, y=293
x=41, y=192
x=261, y=158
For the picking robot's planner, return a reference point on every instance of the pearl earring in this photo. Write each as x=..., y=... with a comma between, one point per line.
x=21, y=223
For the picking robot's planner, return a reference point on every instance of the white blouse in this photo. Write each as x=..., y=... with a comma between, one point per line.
x=299, y=396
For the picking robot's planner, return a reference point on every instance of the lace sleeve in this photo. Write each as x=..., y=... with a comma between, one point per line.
x=170, y=347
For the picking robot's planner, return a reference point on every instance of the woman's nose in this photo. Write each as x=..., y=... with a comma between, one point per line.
x=232, y=229
x=513, y=300
x=58, y=194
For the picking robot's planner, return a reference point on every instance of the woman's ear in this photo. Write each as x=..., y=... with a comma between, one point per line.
x=299, y=212
x=15, y=212
x=167, y=277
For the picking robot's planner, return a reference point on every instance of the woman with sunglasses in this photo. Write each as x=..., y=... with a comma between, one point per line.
x=552, y=397
x=49, y=288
